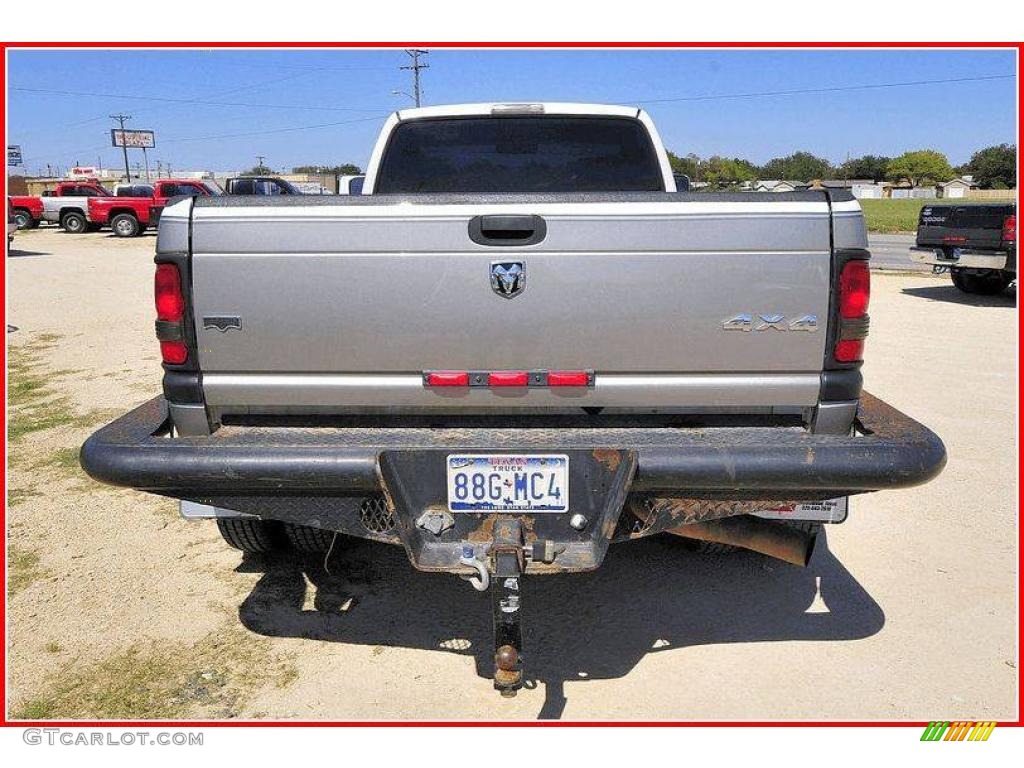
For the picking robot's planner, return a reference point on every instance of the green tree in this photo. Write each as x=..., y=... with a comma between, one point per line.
x=258, y=170
x=800, y=166
x=348, y=169
x=872, y=167
x=994, y=167
x=919, y=166
x=689, y=165
x=727, y=172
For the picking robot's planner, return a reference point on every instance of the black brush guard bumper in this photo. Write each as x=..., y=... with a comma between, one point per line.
x=333, y=476
x=388, y=483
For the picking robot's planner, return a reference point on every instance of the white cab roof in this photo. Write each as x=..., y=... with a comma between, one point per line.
x=518, y=107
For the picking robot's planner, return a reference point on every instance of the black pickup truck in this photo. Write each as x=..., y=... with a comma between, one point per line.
x=977, y=243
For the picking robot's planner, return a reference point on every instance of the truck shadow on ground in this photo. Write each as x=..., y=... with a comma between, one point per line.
x=16, y=253
x=650, y=596
x=954, y=295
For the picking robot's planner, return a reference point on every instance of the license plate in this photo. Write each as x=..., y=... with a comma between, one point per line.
x=508, y=483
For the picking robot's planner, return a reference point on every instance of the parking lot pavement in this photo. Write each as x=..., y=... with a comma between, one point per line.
x=907, y=610
x=893, y=252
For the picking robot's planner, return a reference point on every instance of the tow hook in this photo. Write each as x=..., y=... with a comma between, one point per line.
x=480, y=580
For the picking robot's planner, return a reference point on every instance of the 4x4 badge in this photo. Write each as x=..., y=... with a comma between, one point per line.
x=508, y=278
x=746, y=322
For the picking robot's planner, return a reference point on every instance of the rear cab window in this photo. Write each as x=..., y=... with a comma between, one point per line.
x=978, y=217
x=520, y=155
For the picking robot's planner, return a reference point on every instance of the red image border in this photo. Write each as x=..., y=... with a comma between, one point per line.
x=1018, y=47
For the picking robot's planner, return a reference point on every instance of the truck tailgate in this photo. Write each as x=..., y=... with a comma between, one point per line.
x=338, y=302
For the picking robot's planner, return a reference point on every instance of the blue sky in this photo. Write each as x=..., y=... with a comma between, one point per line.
x=346, y=94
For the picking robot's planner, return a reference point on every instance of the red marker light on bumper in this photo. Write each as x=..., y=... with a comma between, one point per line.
x=448, y=379
x=567, y=379
x=507, y=379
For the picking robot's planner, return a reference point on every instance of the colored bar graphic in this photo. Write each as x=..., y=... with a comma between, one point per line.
x=960, y=730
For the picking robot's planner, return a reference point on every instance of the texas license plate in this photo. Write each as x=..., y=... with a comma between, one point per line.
x=508, y=483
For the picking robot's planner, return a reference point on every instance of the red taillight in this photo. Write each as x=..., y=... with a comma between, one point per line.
x=170, y=303
x=854, y=296
x=448, y=379
x=854, y=289
x=849, y=350
x=1010, y=229
x=174, y=352
x=507, y=379
x=170, y=314
x=567, y=379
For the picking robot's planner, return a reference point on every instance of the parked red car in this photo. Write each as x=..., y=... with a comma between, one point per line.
x=130, y=216
x=28, y=210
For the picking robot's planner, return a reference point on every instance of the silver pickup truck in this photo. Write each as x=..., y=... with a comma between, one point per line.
x=518, y=346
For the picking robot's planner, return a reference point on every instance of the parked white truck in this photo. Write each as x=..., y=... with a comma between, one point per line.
x=518, y=346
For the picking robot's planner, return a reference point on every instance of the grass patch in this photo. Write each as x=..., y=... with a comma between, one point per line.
x=16, y=496
x=52, y=647
x=894, y=215
x=212, y=678
x=33, y=404
x=22, y=569
x=63, y=460
x=34, y=710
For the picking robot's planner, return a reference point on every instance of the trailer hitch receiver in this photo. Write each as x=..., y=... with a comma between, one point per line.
x=507, y=606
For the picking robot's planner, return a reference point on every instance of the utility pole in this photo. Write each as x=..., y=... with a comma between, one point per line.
x=124, y=145
x=415, y=54
x=259, y=167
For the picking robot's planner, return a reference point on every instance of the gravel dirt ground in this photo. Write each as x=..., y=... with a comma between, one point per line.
x=119, y=608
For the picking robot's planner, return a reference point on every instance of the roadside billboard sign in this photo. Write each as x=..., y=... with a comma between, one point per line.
x=14, y=154
x=132, y=139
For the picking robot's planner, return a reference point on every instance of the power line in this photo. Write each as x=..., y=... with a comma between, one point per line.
x=414, y=54
x=829, y=89
x=275, y=130
x=179, y=139
x=124, y=143
x=169, y=100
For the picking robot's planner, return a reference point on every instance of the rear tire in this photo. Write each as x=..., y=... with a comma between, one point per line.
x=73, y=223
x=22, y=218
x=988, y=283
x=125, y=225
x=250, y=534
x=308, y=540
